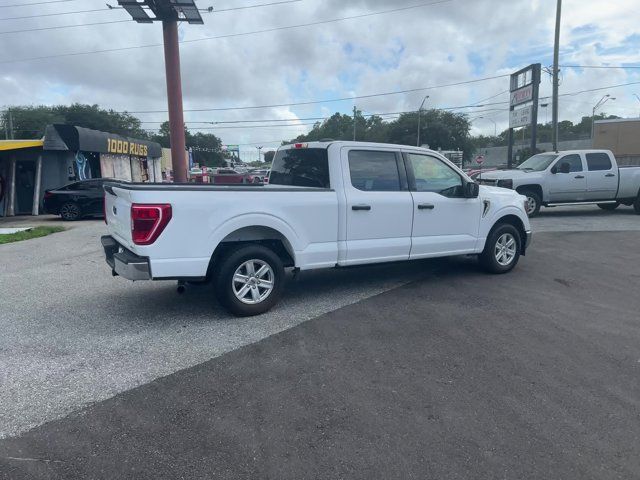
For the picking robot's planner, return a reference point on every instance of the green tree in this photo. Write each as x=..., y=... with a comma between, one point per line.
x=30, y=121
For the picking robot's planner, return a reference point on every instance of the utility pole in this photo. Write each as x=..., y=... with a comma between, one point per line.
x=170, y=13
x=419, y=118
x=259, y=152
x=556, y=81
x=355, y=116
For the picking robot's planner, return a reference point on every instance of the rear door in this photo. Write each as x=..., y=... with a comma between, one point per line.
x=602, y=177
x=570, y=186
x=379, y=205
x=445, y=223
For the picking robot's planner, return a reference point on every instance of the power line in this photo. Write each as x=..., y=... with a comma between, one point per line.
x=59, y=27
x=55, y=14
x=604, y=67
x=63, y=26
x=35, y=3
x=315, y=102
x=231, y=35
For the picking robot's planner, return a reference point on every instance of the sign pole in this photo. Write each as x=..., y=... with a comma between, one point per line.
x=535, y=77
x=174, y=96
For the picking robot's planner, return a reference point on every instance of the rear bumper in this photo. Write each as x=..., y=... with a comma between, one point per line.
x=124, y=262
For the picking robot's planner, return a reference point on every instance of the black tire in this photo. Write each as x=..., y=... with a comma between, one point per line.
x=534, y=202
x=70, y=211
x=226, y=287
x=489, y=258
x=609, y=206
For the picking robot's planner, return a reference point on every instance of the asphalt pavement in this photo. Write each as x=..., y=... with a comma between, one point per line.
x=437, y=370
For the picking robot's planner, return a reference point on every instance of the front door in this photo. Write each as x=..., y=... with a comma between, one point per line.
x=379, y=206
x=567, y=187
x=444, y=222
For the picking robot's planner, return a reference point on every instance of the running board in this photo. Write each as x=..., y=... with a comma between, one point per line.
x=601, y=202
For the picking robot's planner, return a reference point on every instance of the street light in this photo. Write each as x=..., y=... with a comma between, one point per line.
x=419, y=117
x=601, y=102
x=495, y=126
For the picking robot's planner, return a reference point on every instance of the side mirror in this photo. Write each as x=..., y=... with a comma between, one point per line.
x=565, y=167
x=471, y=190
x=554, y=169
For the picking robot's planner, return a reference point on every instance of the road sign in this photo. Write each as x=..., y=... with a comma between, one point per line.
x=522, y=95
x=521, y=117
x=480, y=159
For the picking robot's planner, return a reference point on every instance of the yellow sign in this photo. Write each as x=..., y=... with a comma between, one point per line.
x=125, y=147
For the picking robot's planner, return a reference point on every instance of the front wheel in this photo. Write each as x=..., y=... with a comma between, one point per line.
x=533, y=203
x=502, y=250
x=249, y=280
x=609, y=206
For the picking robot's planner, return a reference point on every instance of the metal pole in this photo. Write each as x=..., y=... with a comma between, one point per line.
x=556, y=53
x=36, y=190
x=174, y=96
x=11, y=197
x=355, y=113
x=536, y=73
x=420, y=117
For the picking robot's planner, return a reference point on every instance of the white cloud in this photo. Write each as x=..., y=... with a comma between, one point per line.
x=440, y=44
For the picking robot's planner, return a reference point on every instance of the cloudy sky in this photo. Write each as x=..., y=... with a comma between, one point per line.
x=432, y=45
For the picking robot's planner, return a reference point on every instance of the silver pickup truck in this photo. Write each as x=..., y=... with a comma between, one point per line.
x=572, y=177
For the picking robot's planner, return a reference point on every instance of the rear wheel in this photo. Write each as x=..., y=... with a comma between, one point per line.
x=249, y=280
x=533, y=203
x=502, y=250
x=70, y=211
x=609, y=206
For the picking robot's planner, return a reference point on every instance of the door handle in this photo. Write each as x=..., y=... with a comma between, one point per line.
x=579, y=176
x=361, y=207
x=610, y=175
x=426, y=206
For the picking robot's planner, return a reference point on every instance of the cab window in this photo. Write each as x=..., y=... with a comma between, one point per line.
x=374, y=171
x=574, y=161
x=433, y=175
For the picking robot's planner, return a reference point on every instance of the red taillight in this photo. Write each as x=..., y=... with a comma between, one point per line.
x=300, y=145
x=148, y=222
x=48, y=194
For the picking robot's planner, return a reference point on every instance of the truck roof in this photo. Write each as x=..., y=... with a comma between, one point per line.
x=347, y=143
x=583, y=150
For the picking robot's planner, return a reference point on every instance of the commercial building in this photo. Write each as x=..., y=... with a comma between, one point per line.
x=621, y=136
x=67, y=154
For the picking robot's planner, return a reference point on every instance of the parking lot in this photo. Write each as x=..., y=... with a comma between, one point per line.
x=423, y=369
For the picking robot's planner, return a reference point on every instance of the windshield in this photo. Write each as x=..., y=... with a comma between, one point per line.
x=301, y=167
x=538, y=163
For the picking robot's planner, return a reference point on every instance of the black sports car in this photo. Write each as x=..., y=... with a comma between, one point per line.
x=76, y=200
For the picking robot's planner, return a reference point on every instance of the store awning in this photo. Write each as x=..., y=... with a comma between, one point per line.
x=19, y=144
x=69, y=137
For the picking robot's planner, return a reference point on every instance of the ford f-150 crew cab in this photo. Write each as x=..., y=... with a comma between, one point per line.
x=574, y=177
x=328, y=204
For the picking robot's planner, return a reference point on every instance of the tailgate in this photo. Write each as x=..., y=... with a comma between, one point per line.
x=118, y=214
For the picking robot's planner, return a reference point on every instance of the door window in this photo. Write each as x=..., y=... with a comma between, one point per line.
x=373, y=171
x=433, y=175
x=301, y=167
x=574, y=161
x=598, y=161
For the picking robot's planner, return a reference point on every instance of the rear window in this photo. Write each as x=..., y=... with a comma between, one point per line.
x=598, y=161
x=301, y=167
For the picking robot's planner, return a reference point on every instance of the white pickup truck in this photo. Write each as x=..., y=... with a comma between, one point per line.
x=328, y=204
x=572, y=177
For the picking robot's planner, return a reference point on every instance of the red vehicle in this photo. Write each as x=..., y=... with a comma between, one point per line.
x=225, y=176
